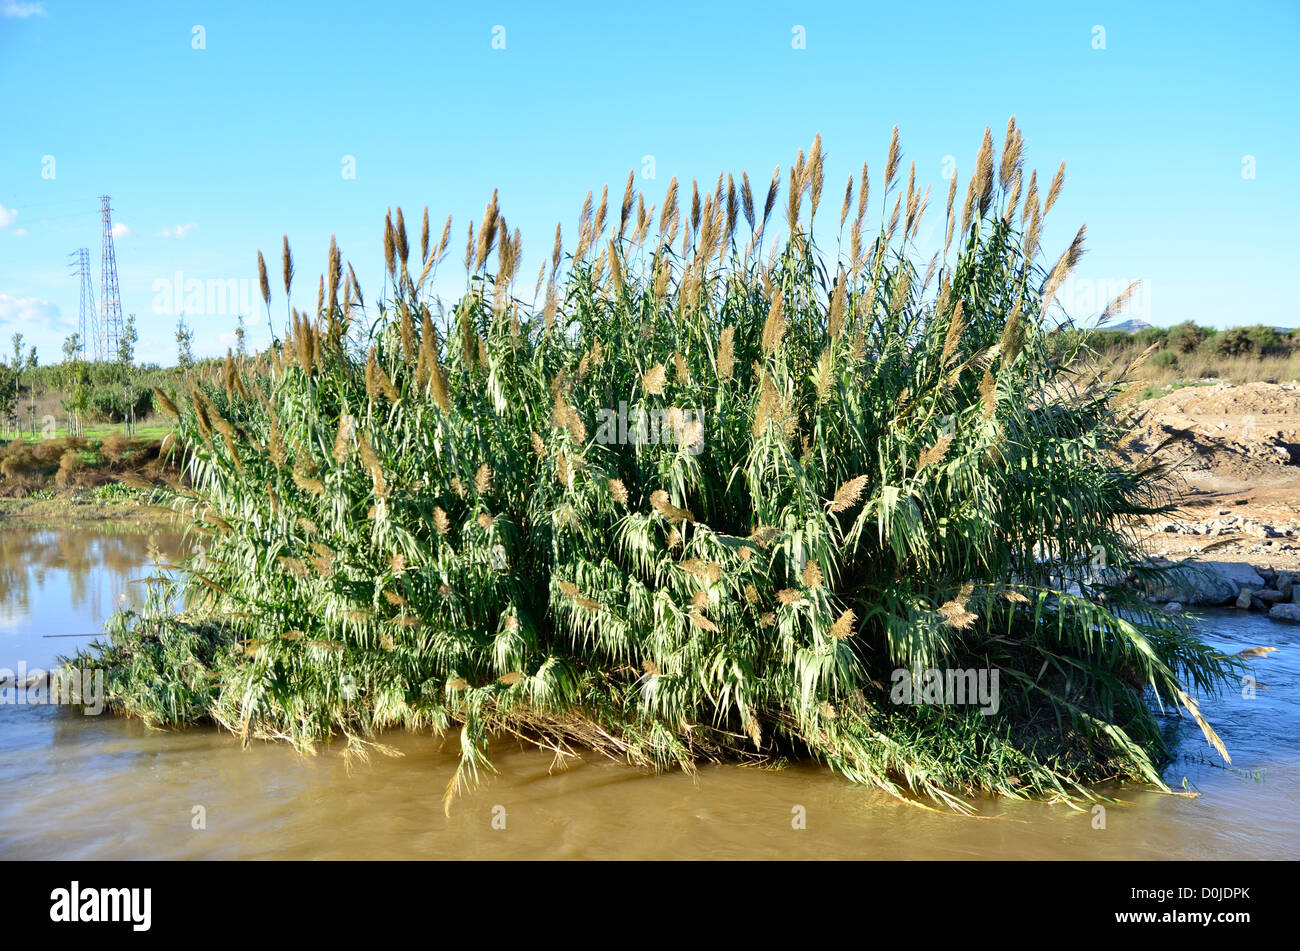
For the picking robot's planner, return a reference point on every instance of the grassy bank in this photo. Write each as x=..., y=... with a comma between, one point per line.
x=66, y=465
x=110, y=503
x=714, y=495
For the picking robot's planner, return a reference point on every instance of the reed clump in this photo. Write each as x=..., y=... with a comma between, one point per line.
x=862, y=465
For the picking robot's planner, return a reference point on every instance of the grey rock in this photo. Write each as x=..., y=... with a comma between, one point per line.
x=1206, y=582
x=1173, y=607
x=1243, y=599
x=1270, y=595
x=1285, y=612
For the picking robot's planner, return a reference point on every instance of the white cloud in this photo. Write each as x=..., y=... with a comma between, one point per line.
x=14, y=9
x=32, y=311
x=7, y=217
x=120, y=230
x=19, y=232
x=179, y=231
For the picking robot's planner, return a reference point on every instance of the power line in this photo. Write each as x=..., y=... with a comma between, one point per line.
x=110, y=305
x=89, y=315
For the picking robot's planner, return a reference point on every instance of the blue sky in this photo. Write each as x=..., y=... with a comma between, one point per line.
x=211, y=154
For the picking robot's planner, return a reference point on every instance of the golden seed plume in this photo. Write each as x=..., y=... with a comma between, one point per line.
x=262, y=279
x=891, y=164
x=772, y=189
x=935, y=453
x=843, y=626
x=727, y=353
x=286, y=266
x=847, y=495
x=1055, y=190
x=775, y=325
x=653, y=380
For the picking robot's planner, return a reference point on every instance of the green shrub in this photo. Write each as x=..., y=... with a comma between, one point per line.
x=851, y=469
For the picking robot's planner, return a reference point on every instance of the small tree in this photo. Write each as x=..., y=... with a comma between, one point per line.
x=184, y=345
x=126, y=345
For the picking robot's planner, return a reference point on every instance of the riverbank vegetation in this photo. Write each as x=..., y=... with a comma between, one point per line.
x=1187, y=354
x=857, y=462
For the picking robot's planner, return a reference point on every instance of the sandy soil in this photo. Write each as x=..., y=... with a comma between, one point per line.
x=1236, y=453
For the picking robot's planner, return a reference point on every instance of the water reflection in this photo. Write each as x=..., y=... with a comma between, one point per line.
x=59, y=581
x=102, y=787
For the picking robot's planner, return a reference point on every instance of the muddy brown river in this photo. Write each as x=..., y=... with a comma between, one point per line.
x=87, y=787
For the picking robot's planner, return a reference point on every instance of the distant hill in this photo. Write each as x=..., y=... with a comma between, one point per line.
x=1130, y=326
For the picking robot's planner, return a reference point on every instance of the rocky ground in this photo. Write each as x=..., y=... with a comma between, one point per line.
x=1236, y=456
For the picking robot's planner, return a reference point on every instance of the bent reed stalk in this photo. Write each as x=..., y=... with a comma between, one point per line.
x=872, y=465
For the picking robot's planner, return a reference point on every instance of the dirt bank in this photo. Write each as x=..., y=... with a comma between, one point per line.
x=1236, y=452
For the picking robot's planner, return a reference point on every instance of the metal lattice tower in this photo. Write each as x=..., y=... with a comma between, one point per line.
x=110, y=300
x=89, y=314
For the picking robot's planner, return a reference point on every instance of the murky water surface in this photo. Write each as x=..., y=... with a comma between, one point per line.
x=77, y=787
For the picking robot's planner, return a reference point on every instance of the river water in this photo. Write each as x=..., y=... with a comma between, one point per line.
x=84, y=787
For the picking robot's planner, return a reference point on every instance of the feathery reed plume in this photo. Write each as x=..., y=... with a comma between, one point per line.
x=733, y=210
x=424, y=237
x=669, y=213
x=951, y=340
x=1064, y=264
x=1119, y=302
x=653, y=380
x=441, y=523
x=843, y=626
x=625, y=211
x=891, y=164
x=1013, y=199
x=988, y=394
x=747, y=199
x=848, y=494
x=390, y=245
x=286, y=266
x=983, y=180
x=165, y=402
x=1031, y=197
x=864, y=189
x=848, y=200
x=727, y=353
x=598, y=223
x=262, y=280
x=1012, y=155
x=487, y=233
x=835, y=315
x=343, y=439
x=483, y=479
x=335, y=275
x=774, y=326
x=816, y=176
x=1055, y=190
x=934, y=454
x=661, y=503
x=771, y=194
x=399, y=238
